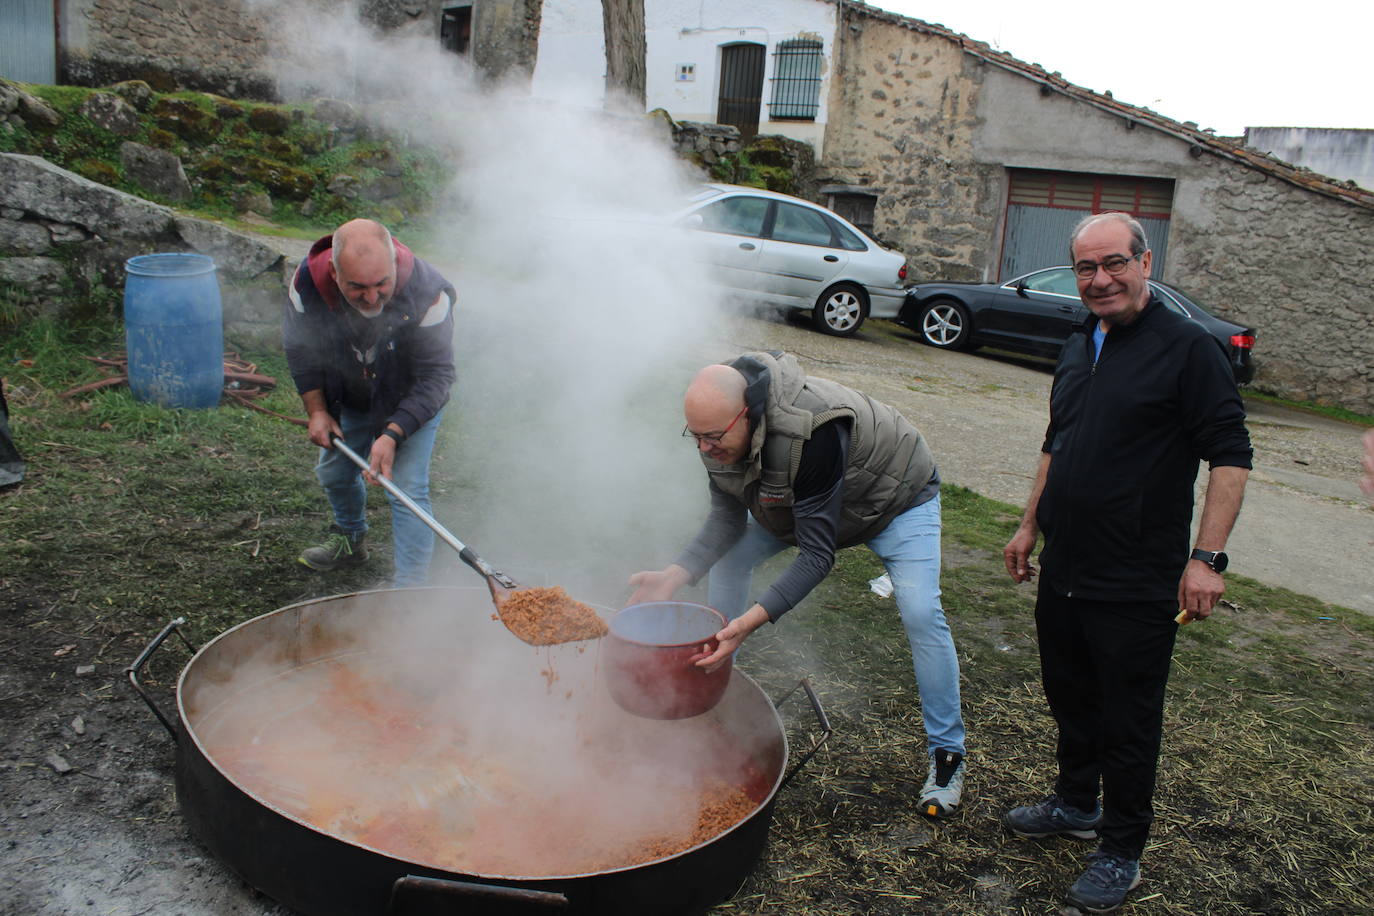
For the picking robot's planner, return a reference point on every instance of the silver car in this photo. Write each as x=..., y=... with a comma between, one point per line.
x=787, y=252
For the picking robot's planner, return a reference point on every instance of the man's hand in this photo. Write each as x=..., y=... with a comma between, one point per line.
x=380, y=459
x=658, y=584
x=1198, y=591
x=1016, y=555
x=732, y=637
x=322, y=429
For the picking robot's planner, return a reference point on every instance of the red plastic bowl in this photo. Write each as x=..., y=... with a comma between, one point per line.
x=650, y=659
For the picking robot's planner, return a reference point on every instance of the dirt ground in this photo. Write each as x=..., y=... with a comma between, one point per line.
x=88, y=815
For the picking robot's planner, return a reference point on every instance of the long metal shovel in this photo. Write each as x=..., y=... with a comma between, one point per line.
x=501, y=585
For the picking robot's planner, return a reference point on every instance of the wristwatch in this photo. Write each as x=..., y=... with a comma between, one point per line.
x=1214, y=558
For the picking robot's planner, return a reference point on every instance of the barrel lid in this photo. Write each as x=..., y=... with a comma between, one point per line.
x=170, y=264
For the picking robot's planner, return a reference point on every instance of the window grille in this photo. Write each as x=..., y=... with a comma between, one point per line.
x=796, y=80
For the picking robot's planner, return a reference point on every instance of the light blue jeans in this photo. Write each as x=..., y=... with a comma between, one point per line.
x=910, y=549
x=412, y=539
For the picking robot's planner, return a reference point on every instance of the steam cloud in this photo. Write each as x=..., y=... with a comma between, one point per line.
x=580, y=320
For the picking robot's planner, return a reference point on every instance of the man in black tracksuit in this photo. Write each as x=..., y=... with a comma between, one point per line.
x=1140, y=395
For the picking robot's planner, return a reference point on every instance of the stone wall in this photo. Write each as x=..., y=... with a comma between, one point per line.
x=255, y=49
x=1294, y=264
x=903, y=111
x=207, y=45
x=61, y=236
x=702, y=143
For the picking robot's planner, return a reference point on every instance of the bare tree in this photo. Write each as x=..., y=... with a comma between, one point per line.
x=625, y=70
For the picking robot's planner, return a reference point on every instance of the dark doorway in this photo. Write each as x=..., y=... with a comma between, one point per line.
x=741, y=87
x=455, y=28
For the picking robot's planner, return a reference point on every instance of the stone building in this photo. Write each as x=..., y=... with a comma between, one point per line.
x=977, y=165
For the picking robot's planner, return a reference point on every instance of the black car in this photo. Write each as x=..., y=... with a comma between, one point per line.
x=1035, y=314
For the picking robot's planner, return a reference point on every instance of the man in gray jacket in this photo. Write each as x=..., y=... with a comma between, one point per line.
x=795, y=460
x=368, y=333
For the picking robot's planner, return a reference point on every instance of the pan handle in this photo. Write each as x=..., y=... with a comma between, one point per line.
x=414, y=895
x=144, y=656
x=821, y=717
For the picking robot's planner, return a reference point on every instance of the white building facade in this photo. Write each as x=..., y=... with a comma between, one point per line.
x=762, y=65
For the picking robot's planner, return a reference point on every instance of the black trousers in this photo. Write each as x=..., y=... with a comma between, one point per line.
x=1105, y=666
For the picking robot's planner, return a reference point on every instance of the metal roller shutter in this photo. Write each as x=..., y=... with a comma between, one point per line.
x=1044, y=206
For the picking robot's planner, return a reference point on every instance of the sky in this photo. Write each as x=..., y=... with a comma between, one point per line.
x=1224, y=65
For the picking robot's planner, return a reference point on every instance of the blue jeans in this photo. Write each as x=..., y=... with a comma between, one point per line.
x=412, y=539
x=910, y=549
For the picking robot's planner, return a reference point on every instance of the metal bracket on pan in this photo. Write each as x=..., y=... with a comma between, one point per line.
x=805, y=684
x=132, y=670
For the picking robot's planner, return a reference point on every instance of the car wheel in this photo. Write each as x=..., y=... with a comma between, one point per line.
x=945, y=324
x=841, y=310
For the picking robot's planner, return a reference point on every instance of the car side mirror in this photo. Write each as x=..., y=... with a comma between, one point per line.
x=694, y=221
x=1021, y=289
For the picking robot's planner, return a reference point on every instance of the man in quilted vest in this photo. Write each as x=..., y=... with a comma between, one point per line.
x=799, y=461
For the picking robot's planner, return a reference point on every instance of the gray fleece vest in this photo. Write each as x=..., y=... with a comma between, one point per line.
x=889, y=461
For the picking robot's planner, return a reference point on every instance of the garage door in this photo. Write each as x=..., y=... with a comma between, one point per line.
x=1044, y=206
x=28, y=49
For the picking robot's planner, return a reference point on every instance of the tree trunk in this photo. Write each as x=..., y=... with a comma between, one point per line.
x=625, y=74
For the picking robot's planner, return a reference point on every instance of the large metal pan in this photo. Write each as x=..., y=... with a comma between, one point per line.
x=257, y=689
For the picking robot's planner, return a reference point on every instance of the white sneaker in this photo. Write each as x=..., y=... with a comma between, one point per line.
x=944, y=787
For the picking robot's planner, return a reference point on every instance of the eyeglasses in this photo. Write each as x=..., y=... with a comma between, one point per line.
x=1114, y=266
x=713, y=438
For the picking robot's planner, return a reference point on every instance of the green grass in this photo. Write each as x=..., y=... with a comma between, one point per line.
x=132, y=514
x=1335, y=413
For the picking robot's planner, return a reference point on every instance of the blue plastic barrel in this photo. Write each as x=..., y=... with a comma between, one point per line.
x=174, y=329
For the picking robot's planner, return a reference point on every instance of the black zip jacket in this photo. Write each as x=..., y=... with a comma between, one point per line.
x=1125, y=438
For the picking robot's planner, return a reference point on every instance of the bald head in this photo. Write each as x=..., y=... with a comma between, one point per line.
x=362, y=236
x=715, y=390
x=714, y=407
x=363, y=261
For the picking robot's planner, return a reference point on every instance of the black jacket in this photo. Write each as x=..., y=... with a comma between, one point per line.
x=1125, y=437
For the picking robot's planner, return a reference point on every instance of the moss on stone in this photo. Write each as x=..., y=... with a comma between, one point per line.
x=266, y=119
x=162, y=139
x=280, y=179
x=283, y=150
x=186, y=119
x=97, y=170
x=225, y=109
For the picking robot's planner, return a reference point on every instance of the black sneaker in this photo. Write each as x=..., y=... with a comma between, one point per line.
x=1053, y=817
x=337, y=551
x=944, y=787
x=1104, y=886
